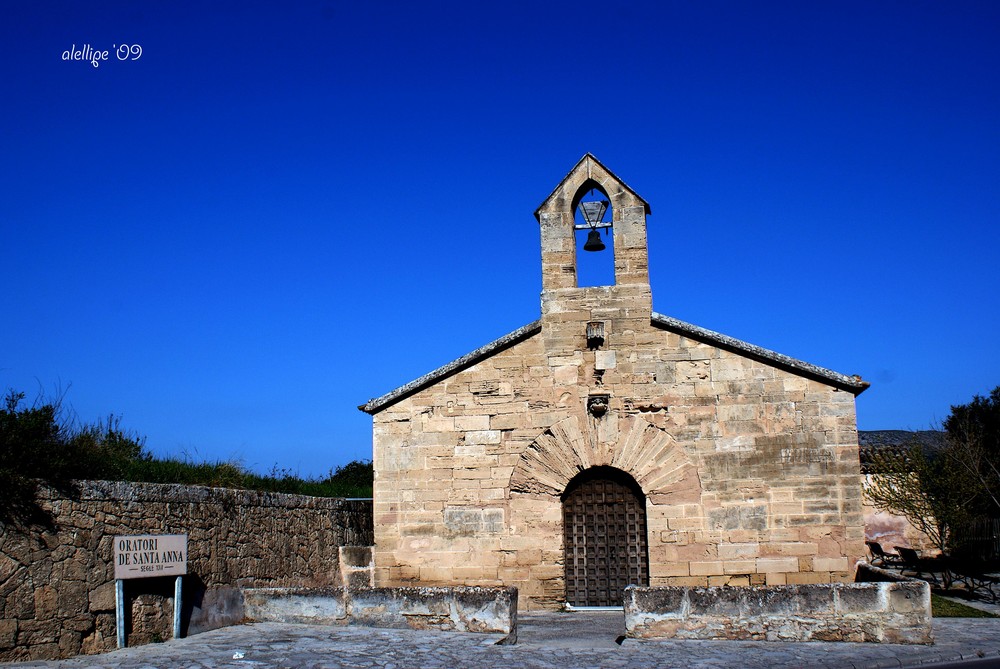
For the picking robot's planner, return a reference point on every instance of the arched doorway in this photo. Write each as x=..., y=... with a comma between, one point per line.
x=604, y=527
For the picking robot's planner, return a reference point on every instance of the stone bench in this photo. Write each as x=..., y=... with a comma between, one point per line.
x=887, y=612
x=458, y=609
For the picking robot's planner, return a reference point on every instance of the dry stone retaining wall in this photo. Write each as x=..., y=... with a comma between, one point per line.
x=57, y=585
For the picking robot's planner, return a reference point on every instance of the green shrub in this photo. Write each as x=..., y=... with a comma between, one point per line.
x=35, y=448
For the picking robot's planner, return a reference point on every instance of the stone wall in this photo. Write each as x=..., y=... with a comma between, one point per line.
x=891, y=530
x=750, y=473
x=57, y=584
x=880, y=612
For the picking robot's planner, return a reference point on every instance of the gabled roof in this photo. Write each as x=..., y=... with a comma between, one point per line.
x=377, y=404
x=852, y=384
x=579, y=165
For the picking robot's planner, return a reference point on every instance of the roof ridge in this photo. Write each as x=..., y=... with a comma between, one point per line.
x=509, y=339
x=603, y=167
x=854, y=384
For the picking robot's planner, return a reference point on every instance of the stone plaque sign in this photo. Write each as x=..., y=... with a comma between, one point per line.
x=146, y=555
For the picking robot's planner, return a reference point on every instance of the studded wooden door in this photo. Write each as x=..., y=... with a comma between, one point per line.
x=604, y=522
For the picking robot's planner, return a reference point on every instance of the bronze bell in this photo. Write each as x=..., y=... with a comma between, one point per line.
x=594, y=242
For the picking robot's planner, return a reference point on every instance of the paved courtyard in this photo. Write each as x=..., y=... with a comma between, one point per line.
x=546, y=640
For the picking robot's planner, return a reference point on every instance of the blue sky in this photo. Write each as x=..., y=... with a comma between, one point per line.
x=281, y=210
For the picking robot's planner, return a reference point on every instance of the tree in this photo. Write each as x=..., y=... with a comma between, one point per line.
x=974, y=442
x=942, y=489
x=931, y=490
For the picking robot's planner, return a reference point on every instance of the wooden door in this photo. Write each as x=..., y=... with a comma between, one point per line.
x=604, y=522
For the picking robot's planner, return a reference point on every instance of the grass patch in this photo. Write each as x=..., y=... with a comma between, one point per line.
x=38, y=445
x=351, y=480
x=946, y=608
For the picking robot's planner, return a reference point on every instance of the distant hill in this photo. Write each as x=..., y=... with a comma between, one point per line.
x=870, y=441
x=932, y=438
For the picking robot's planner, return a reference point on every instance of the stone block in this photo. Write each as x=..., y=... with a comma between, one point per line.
x=467, y=450
x=296, y=606
x=355, y=556
x=683, y=524
x=784, y=565
x=46, y=602
x=567, y=375
x=69, y=643
x=739, y=566
x=483, y=437
x=102, y=598
x=808, y=577
x=479, y=472
x=857, y=598
x=472, y=423
x=791, y=548
x=910, y=597
x=737, y=412
x=671, y=569
x=775, y=578
x=605, y=360
x=830, y=564
x=710, y=568
x=668, y=601
x=8, y=633
x=733, y=551
x=507, y=421
x=716, y=602
x=358, y=578
x=741, y=517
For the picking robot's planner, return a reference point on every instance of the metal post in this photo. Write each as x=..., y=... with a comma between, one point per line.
x=120, y=610
x=177, y=607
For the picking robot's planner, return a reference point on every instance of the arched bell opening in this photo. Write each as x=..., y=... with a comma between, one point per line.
x=605, y=537
x=593, y=217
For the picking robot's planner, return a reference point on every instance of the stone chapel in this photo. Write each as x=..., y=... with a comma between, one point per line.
x=606, y=444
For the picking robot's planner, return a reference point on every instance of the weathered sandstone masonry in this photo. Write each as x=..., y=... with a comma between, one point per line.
x=57, y=585
x=861, y=612
x=881, y=607
x=706, y=460
x=456, y=609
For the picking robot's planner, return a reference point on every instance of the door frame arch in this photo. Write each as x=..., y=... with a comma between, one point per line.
x=605, y=536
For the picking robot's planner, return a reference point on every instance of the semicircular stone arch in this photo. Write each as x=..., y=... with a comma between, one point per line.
x=646, y=452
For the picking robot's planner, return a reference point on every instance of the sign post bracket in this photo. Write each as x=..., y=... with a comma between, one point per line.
x=120, y=610
x=177, y=607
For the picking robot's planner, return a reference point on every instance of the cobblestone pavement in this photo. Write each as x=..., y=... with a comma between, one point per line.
x=546, y=641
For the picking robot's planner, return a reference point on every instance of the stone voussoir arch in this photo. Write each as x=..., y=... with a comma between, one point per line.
x=647, y=453
x=589, y=173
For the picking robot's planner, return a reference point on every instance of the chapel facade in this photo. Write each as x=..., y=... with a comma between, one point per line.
x=606, y=444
